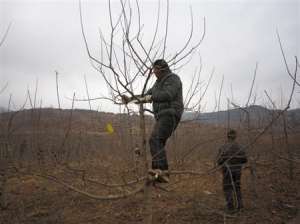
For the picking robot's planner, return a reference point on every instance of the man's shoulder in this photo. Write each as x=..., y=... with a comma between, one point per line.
x=173, y=77
x=230, y=146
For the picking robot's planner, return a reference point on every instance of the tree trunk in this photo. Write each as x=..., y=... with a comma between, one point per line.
x=252, y=162
x=288, y=149
x=148, y=188
x=3, y=198
x=3, y=177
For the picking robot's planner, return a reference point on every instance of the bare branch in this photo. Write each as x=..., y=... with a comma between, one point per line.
x=35, y=92
x=252, y=85
x=220, y=93
x=166, y=30
x=192, y=49
x=85, y=40
x=5, y=34
x=270, y=99
x=57, y=91
x=285, y=61
x=87, y=92
x=3, y=88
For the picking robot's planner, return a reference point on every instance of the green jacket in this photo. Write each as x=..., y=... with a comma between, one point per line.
x=167, y=95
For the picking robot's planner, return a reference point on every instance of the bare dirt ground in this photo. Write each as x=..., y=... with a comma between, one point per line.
x=35, y=197
x=189, y=200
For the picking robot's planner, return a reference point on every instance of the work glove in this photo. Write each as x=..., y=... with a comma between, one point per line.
x=144, y=99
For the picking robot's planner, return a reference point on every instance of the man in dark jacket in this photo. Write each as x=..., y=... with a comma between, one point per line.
x=166, y=96
x=232, y=157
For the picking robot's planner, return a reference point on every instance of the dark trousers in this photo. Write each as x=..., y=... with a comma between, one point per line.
x=163, y=129
x=232, y=187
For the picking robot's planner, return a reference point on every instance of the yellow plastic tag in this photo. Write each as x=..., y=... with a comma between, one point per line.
x=109, y=128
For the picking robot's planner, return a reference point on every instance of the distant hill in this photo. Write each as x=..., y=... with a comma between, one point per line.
x=3, y=109
x=294, y=117
x=51, y=118
x=258, y=116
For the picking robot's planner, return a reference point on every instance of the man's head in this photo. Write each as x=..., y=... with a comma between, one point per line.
x=159, y=67
x=231, y=135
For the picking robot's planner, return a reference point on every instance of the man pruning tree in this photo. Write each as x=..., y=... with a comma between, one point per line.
x=167, y=102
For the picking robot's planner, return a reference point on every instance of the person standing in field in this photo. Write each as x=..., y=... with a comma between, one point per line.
x=232, y=157
x=167, y=103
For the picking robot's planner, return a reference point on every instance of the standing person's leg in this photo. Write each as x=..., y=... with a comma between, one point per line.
x=162, y=130
x=154, y=146
x=228, y=188
x=237, y=182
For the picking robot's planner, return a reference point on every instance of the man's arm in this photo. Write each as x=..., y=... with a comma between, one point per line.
x=136, y=99
x=241, y=155
x=219, y=158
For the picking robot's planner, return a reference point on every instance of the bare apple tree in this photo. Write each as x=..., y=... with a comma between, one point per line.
x=126, y=58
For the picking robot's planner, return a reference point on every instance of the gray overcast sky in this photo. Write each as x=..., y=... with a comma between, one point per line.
x=45, y=36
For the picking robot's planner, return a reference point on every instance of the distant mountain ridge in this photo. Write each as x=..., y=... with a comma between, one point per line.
x=3, y=109
x=258, y=116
